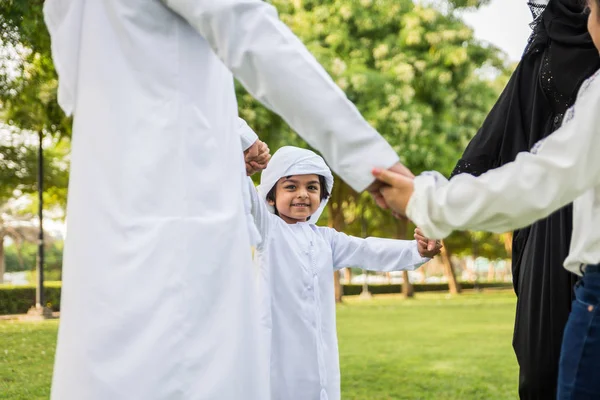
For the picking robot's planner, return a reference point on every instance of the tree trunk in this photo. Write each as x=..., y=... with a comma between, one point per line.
x=407, y=288
x=453, y=285
x=2, y=260
x=508, y=241
x=337, y=287
x=348, y=275
x=491, y=272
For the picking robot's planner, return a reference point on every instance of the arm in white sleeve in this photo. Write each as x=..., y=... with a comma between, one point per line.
x=560, y=168
x=247, y=135
x=276, y=68
x=260, y=213
x=373, y=254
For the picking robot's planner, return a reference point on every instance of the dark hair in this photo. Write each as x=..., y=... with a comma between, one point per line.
x=324, y=194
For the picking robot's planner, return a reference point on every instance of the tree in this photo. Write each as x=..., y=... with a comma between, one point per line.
x=412, y=71
x=11, y=228
x=28, y=81
x=18, y=178
x=28, y=85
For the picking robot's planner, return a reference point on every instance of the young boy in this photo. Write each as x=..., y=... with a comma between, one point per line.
x=297, y=260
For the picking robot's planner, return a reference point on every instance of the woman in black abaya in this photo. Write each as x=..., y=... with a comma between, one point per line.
x=560, y=55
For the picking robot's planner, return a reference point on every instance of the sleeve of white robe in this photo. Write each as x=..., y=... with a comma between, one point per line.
x=560, y=168
x=260, y=213
x=276, y=68
x=374, y=254
x=247, y=135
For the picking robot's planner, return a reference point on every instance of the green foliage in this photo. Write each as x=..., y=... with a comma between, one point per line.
x=411, y=71
x=22, y=23
x=18, y=170
x=467, y=3
x=28, y=101
x=28, y=82
x=26, y=261
x=478, y=244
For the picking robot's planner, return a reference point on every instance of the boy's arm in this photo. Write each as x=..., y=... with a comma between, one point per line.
x=258, y=209
x=374, y=254
x=261, y=215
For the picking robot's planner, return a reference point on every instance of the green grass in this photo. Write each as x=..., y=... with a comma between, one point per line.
x=432, y=347
x=26, y=359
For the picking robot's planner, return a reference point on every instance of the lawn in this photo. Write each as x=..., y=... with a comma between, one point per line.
x=431, y=347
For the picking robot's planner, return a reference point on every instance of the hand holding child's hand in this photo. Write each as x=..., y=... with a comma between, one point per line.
x=396, y=189
x=427, y=247
x=375, y=189
x=256, y=157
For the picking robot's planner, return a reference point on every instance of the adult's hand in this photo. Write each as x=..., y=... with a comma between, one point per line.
x=395, y=189
x=375, y=188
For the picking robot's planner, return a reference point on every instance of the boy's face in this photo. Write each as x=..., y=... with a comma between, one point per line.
x=297, y=197
x=594, y=22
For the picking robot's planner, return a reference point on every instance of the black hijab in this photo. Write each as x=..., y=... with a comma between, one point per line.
x=559, y=56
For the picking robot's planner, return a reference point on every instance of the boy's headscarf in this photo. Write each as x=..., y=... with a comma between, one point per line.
x=290, y=160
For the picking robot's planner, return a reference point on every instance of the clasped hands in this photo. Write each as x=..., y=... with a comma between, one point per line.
x=392, y=190
x=256, y=157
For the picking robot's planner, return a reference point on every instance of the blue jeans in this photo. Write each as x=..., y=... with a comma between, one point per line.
x=579, y=368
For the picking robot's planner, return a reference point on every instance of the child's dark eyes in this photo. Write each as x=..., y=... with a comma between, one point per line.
x=293, y=187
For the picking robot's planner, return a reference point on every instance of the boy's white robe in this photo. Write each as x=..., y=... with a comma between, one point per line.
x=156, y=299
x=296, y=264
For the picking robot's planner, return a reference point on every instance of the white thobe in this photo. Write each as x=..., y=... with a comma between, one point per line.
x=155, y=301
x=561, y=168
x=296, y=264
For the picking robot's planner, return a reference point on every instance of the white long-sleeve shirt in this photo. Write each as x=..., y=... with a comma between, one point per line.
x=296, y=264
x=158, y=241
x=561, y=168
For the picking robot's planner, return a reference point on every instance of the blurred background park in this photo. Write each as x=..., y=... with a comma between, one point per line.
x=423, y=73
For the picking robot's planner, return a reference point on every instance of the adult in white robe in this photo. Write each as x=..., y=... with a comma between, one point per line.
x=156, y=302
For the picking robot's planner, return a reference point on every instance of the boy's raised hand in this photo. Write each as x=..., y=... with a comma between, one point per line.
x=256, y=157
x=427, y=247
